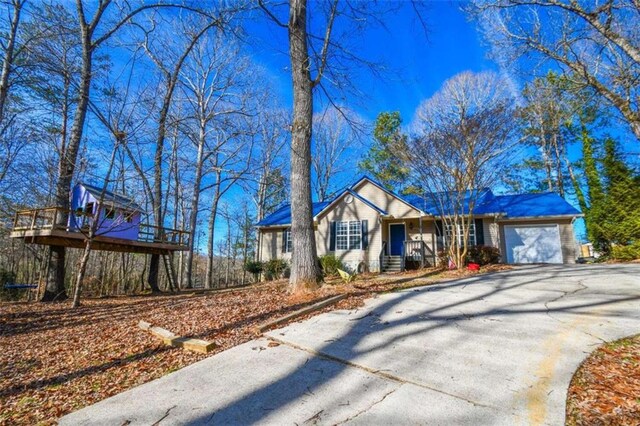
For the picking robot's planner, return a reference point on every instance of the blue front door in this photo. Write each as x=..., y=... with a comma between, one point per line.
x=396, y=238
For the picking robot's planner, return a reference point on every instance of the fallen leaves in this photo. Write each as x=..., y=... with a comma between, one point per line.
x=55, y=360
x=605, y=390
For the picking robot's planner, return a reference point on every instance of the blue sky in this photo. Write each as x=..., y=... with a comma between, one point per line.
x=417, y=65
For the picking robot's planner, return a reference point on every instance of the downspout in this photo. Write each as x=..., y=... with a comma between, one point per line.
x=422, y=251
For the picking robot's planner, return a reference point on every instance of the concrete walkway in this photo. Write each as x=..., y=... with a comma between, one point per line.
x=493, y=349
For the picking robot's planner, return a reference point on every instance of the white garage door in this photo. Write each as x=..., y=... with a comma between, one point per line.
x=533, y=244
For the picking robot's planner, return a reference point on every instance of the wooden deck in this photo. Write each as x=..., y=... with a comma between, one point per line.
x=40, y=226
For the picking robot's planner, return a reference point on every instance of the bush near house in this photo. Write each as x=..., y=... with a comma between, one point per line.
x=275, y=269
x=627, y=252
x=330, y=265
x=254, y=267
x=483, y=255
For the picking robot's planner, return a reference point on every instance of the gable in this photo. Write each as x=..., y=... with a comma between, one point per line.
x=391, y=204
x=350, y=205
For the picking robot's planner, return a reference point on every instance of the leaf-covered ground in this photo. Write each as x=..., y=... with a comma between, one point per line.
x=606, y=388
x=54, y=360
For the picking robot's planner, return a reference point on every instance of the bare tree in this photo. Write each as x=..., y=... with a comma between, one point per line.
x=214, y=84
x=169, y=59
x=334, y=133
x=9, y=50
x=96, y=28
x=546, y=113
x=597, y=43
x=230, y=163
x=464, y=133
x=267, y=183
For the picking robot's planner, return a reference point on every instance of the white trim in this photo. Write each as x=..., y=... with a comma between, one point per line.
x=389, y=235
x=348, y=221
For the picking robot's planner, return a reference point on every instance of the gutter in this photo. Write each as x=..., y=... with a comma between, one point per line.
x=560, y=216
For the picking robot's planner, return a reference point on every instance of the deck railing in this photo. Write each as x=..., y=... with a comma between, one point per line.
x=51, y=218
x=417, y=251
x=35, y=219
x=383, y=252
x=155, y=234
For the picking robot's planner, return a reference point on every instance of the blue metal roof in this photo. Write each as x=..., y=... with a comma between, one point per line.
x=282, y=216
x=511, y=206
x=429, y=203
x=533, y=205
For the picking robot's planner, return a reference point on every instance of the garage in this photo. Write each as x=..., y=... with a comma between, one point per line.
x=533, y=243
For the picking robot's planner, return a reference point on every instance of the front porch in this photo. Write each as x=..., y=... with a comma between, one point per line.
x=407, y=244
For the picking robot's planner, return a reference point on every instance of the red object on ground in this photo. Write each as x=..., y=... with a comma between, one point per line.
x=473, y=267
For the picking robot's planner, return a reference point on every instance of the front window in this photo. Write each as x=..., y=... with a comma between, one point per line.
x=349, y=235
x=459, y=234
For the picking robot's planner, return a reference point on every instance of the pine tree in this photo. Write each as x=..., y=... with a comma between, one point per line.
x=620, y=218
x=382, y=162
x=595, y=213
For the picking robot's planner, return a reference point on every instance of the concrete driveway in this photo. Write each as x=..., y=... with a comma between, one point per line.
x=493, y=349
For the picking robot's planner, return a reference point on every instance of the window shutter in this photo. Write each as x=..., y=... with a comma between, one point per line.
x=365, y=234
x=284, y=240
x=332, y=237
x=479, y=232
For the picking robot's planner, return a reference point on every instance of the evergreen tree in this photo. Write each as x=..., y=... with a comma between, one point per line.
x=382, y=162
x=595, y=212
x=620, y=224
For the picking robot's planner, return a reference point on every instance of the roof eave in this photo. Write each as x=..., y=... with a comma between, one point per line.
x=554, y=216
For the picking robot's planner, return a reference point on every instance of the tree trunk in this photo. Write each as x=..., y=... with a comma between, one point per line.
x=8, y=59
x=82, y=267
x=212, y=231
x=305, y=273
x=54, y=286
x=154, y=268
x=193, y=217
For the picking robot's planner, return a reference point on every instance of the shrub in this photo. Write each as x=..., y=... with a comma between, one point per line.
x=443, y=259
x=330, y=265
x=275, y=269
x=483, y=255
x=628, y=252
x=254, y=267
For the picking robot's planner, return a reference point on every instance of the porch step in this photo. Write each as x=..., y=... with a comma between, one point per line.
x=392, y=264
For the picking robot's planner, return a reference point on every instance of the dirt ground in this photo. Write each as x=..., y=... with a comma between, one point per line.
x=55, y=360
x=606, y=388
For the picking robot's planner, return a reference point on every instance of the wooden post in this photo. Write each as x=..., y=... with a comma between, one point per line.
x=34, y=218
x=55, y=218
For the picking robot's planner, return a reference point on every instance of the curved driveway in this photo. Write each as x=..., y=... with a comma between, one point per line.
x=492, y=349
